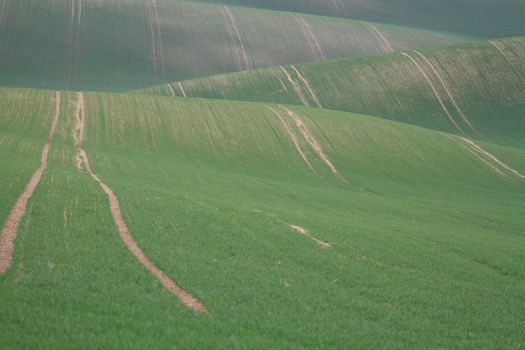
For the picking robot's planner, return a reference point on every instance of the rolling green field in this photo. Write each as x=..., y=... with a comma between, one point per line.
x=132, y=44
x=473, y=89
x=245, y=174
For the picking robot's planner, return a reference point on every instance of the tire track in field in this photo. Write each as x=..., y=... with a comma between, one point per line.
x=3, y=7
x=294, y=139
x=492, y=157
x=308, y=87
x=70, y=42
x=447, y=90
x=182, y=90
x=383, y=42
x=188, y=300
x=306, y=233
x=241, y=55
x=77, y=61
x=295, y=86
x=10, y=228
x=312, y=141
x=156, y=44
x=73, y=42
x=171, y=89
x=507, y=58
x=311, y=38
x=434, y=90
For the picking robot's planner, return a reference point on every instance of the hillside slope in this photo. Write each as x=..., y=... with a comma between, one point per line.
x=490, y=18
x=376, y=232
x=475, y=90
x=124, y=45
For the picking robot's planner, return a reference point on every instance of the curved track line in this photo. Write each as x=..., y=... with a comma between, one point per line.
x=2, y=11
x=126, y=236
x=492, y=157
x=310, y=138
x=182, y=90
x=295, y=86
x=305, y=232
x=153, y=45
x=156, y=16
x=422, y=71
x=387, y=48
x=310, y=90
x=10, y=228
x=312, y=39
x=293, y=137
x=447, y=90
x=171, y=89
x=507, y=58
x=234, y=30
x=77, y=62
x=69, y=42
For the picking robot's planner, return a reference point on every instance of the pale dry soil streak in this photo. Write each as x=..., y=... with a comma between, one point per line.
x=125, y=234
x=10, y=228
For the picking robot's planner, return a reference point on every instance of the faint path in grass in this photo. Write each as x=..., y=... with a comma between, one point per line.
x=2, y=11
x=306, y=233
x=10, y=228
x=308, y=87
x=311, y=38
x=242, y=56
x=125, y=234
x=295, y=86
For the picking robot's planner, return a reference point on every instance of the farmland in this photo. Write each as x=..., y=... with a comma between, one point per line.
x=246, y=174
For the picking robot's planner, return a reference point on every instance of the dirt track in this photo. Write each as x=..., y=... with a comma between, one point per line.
x=124, y=232
x=10, y=228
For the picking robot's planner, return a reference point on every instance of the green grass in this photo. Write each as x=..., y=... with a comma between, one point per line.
x=487, y=18
x=486, y=85
x=208, y=188
x=38, y=45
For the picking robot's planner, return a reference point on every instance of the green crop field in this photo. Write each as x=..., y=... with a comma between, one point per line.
x=261, y=175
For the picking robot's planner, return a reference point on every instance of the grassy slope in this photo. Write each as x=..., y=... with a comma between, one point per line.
x=405, y=264
x=487, y=85
x=490, y=18
x=110, y=46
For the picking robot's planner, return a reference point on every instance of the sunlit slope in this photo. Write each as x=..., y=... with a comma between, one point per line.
x=475, y=90
x=123, y=45
x=487, y=18
x=409, y=229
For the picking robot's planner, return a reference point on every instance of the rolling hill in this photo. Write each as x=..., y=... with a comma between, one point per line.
x=246, y=174
x=125, y=45
x=321, y=219
x=475, y=90
x=488, y=18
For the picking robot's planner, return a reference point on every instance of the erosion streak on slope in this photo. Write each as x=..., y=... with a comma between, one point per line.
x=126, y=236
x=507, y=58
x=293, y=137
x=383, y=42
x=10, y=228
x=182, y=90
x=492, y=157
x=447, y=90
x=478, y=156
x=236, y=35
x=310, y=138
x=310, y=90
x=429, y=82
x=296, y=87
x=312, y=39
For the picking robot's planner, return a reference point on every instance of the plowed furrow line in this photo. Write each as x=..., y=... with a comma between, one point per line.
x=10, y=228
x=122, y=227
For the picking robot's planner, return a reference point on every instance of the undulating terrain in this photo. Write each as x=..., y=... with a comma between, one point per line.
x=252, y=174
